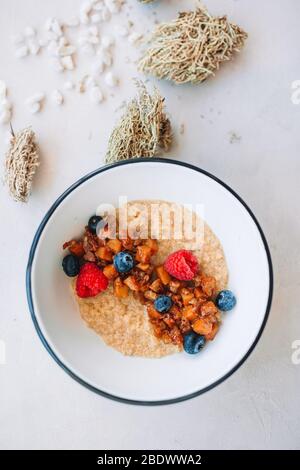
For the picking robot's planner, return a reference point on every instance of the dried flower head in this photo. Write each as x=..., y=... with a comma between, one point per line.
x=21, y=162
x=143, y=130
x=191, y=48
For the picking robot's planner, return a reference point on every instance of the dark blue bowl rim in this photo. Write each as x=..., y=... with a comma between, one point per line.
x=32, y=254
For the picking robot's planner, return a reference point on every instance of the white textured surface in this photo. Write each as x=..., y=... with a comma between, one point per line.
x=258, y=407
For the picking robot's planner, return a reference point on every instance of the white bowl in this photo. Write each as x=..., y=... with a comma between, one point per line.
x=83, y=354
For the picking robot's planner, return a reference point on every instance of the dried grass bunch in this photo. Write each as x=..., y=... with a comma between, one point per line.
x=191, y=48
x=144, y=129
x=21, y=162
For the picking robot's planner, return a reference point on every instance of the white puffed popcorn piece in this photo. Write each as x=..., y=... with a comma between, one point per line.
x=93, y=31
x=80, y=87
x=105, y=57
x=56, y=64
x=67, y=62
x=36, y=98
x=91, y=36
x=63, y=41
x=3, y=89
x=34, y=102
x=56, y=28
x=34, y=47
x=22, y=52
x=57, y=97
x=53, y=48
x=84, y=18
x=98, y=67
x=50, y=36
x=66, y=50
x=34, y=107
x=111, y=80
x=48, y=24
x=94, y=40
x=69, y=85
x=5, y=104
x=5, y=116
x=84, y=13
x=107, y=42
x=86, y=7
x=90, y=81
x=113, y=6
x=106, y=15
x=29, y=32
x=98, y=6
x=96, y=18
x=96, y=95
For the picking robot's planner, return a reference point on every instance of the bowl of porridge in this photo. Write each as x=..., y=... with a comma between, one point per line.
x=149, y=281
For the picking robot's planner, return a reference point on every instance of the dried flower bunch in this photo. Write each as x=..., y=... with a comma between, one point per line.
x=22, y=160
x=143, y=130
x=191, y=48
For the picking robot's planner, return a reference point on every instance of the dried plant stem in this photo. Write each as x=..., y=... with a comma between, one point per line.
x=143, y=130
x=21, y=162
x=191, y=48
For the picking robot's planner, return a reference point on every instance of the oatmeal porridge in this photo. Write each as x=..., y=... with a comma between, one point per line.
x=150, y=296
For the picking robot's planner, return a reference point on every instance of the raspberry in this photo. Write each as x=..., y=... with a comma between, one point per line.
x=90, y=281
x=182, y=265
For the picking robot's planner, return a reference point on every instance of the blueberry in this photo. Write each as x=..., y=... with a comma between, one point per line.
x=225, y=300
x=71, y=265
x=163, y=303
x=193, y=343
x=93, y=222
x=123, y=262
